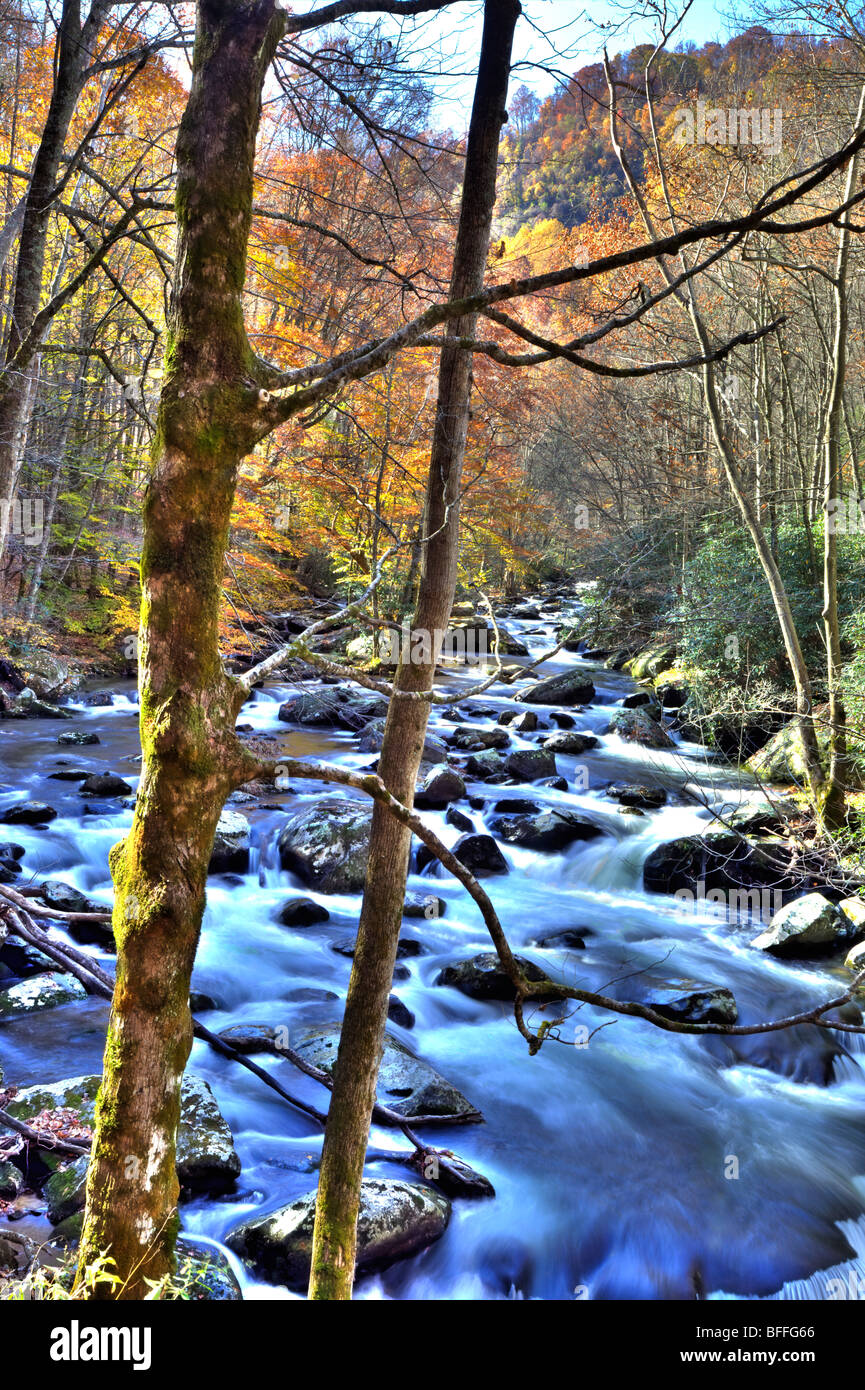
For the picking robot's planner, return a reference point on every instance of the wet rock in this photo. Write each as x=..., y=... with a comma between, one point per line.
x=77, y=738
x=569, y=741
x=482, y=977
x=636, y=726
x=753, y=817
x=327, y=845
x=48, y=675
x=11, y=1182
x=569, y=939
x=396, y=1219
x=652, y=661
x=522, y=722
x=472, y=740
x=480, y=854
x=302, y=912
x=206, y=1157
x=484, y=766
x=722, y=861
x=637, y=795
x=558, y=784
x=97, y=699
x=201, y=1003
x=636, y=699
x=458, y=820
x=40, y=992
x=406, y=1083
x=400, y=1013
x=28, y=813
x=781, y=759
x=811, y=923
x=27, y=705
x=254, y=1037
x=9, y=850
x=440, y=786
x=686, y=1001
x=550, y=831
x=71, y=774
x=452, y=1175
x=528, y=764
x=104, y=784
x=423, y=905
x=230, y=853
x=406, y=949
x=569, y=688
x=517, y=806
x=563, y=721
x=338, y=707
x=64, y=898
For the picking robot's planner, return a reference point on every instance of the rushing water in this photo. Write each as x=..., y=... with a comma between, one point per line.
x=611, y=1162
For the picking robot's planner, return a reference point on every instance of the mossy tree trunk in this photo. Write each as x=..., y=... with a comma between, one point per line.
x=188, y=705
x=365, y=1017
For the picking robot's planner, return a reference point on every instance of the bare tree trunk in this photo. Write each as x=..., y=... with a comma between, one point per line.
x=188, y=704
x=834, y=808
x=361, y=1041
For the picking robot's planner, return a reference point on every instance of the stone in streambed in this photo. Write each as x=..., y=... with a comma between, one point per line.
x=637, y=795
x=396, y=1219
x=528, y=764
x=28, y=813
x=40, y=992
x=423, y=905
x=104, y=784
x=687, y=1001
x=441, y=786
x=77, y=738
x=302, y=912
x=406, y=1083
x=571, y=742
x=811, y=923
x=459, y=821
x=482, y=976
x=327, y=845
x=64, y=898
x=551, y=831
x=636, y=726
x=472, y=740
x=569, y=688
x=487, y=765
x=230, y=853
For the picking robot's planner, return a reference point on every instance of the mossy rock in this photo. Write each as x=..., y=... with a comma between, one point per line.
x=651, y=661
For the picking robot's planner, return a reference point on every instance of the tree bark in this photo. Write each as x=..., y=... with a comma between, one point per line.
x=188, y=704
x=361, y=1041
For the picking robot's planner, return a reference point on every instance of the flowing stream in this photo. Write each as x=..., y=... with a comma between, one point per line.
x=614, y=1163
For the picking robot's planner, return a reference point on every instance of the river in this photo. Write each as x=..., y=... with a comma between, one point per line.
x=612, y=1161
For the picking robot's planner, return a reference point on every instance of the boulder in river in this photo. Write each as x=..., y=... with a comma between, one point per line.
x=471, y=740
x=811, y=923
x=550, y=831
x=686, y=1001
x=302, y=912
x=406, y=1083
x=482, y=976
x=77, y=738
x=64, y=898
x=28, y=813
x=337, y=707
x=651, y=661
x=97, y=699
x=636, y=726
x=569, y=688
x=527, y=764
x=441, y=785
x=724, y=861
x=372, y=737
x=480, y=854
x=327, y=845
x=636, y=795
x=396, y=1219
x=40, y=992
x=27, y=705
x=206, y=1158
x=230, y=853
x=423, y=905
x=104, y=784
x=484, y=766
x=570, y=741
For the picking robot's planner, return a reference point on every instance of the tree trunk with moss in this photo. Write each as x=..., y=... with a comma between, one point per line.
x=188, y=704
x=361, y=1041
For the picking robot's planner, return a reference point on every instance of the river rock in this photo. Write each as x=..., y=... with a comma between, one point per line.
x=230, y=853
x=636, y=726
x=812, y=923
x=27, y=705
x=652, y=661
x=396, y=1219
x=327, y=845
x=722, y=861
x=440, y=786
x=97, y=699
x=64, y=898
x=40, y=992
x=28, y=813
x=569, y=688
x=569, y=741
x=687, y=1001
x=206, y=1157
x=480, y=854
x=423, y=905
x=636, y=699
x=551, y=831
x=372, y=737
x=71, y=774
x=406, y=1083
x=47, y=674
x=11, y=1182
x=482, y=976
x=104, y=784
x=459, y=821
x=302, y=912
x=484, y=766
x=253, y=1037
x=638, y=796
x=338, y=707
x=77, y=738
x=528, y=764
x=568, y=939
x=399, y=1013
x=471, y=740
